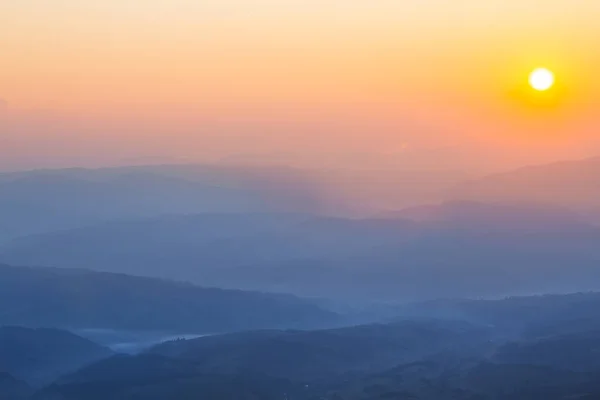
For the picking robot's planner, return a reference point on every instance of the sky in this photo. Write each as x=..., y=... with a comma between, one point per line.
x=353, y=83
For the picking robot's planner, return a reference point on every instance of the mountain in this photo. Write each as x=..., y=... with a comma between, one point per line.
x=315, y=355
x=39, y=356
x=470, y=380
x=265, y=364
x=190, y=246
x=555, y=367
x=80, y=299
x=47, y=200
x=13, y=389
x=532, y=317
x=573, y=185
x=411, y=358
x=494, y=216
x=159, y=378
x=576, y=351
x=469, y=248
x=42, y=201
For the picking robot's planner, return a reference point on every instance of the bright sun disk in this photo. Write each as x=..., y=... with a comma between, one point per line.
x=541, y=79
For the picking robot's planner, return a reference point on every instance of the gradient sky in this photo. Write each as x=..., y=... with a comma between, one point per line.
x=375, y=83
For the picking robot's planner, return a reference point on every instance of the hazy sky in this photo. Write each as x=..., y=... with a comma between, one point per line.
x=349, y=82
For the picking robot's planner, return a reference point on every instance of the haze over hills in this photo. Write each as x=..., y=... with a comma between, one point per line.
x=297, y=360
x=299, y=200
x=41, y=201
x=494, y=216
x=189, y=247
x=323, y=354
x=573, y=185
x=524, y=348
x=450, y=250
x=78, y=299
x=487, y=357
x=48, y=200
x=96, y=267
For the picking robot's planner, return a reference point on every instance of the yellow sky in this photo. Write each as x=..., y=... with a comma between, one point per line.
x=454, y=66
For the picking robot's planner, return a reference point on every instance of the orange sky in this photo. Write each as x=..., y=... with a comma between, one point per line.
x=91, y=82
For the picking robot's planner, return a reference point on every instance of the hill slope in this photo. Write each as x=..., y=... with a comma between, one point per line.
x=39, y=356
x=265, y=364
x=471, y=249
x=422, y=359
x=42, y=201
x=572, y=184
x=13, y=389
x=81, y=299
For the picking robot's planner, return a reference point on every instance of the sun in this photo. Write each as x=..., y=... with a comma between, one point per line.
x=541, y=79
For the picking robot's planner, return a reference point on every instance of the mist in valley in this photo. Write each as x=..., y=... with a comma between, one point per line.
x=299, y=200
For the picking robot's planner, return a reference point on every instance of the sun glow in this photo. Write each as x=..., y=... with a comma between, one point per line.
x=541, y=79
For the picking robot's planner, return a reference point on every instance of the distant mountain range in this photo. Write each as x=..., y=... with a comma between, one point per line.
x=78, y=299
x=264, y=229
x=412, y=358
x=257, y=231
x=448, y=250
x=573, y=185
x=194, y=247
x=48, y=200
x=42, y=201
x=282, y=361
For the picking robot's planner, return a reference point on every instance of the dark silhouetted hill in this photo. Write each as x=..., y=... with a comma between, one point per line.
x=425, y=359
x=303, y=356
x=279, y=362
x=39, y=356
x=13, y=389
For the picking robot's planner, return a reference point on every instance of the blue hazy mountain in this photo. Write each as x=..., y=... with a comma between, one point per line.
x=79, y=299
x=47, y=200
x=39, y=356
x=572, y=185
x=414, y=358
x=12, y=388
x=448, y=250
